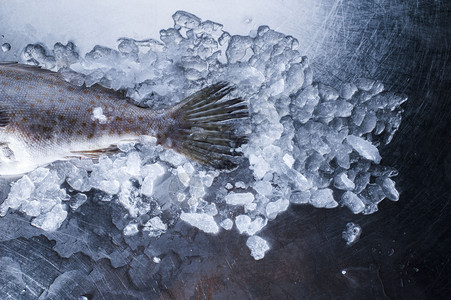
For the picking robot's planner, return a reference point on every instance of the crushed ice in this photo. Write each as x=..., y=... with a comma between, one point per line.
x=352, y=233
x=309, y=143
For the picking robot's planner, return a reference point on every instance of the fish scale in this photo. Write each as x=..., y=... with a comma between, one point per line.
x=43, y=119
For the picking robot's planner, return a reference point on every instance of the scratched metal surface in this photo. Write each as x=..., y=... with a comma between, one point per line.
x=403, y=252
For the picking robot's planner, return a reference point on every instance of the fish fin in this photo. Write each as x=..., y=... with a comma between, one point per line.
x=204, y=127
x=96, y=153
x=4, y=118
x=24, y=67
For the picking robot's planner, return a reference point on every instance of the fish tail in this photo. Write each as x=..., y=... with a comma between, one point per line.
x=203, y=127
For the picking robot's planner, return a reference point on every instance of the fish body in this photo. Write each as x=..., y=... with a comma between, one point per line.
x=43, y=119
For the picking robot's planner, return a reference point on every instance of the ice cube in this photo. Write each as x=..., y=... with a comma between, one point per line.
x=348, y=90
x=239, y=48
x=97, y=114
x=327, y=93
x=52, y=220
x=364, y=148
x=131, y=229
x=263, y=187
x=300, y=197
x=38, y=175
x=155, y=226
x=183, y=176
x=77, y=200
x=353, y=202
x=185, y=19
x=323, y=198
x=20, y=191
x=153, y=174
x=258, y=246
x=239, y=198
x=352, y=233
x=289, y=160
x=364, y=84
x=342, y=182
x=249, y=227
x=156, y=259
x=276, y=207
x=388, y=186
x=202, y=221
x=227, y=224
x=133, y=164
x=109, y=186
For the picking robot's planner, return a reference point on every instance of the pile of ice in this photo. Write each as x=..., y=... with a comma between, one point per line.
x=309, y=143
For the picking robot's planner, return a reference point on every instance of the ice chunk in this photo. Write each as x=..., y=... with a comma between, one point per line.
x=364, y=84
x=97, y=114
x=239, y=49
x=184, y=173
x=364, y=148
x=300, y=197
x=156, y=259
x=240, y=185
x=353, y=202
x=109, y=186
x=258, y=246
x=38, y=175
x=327, y=93
x=184, y=19
x=133, y=164
x=358, y=115
x=77, y=178
x=295, y=77
x=239, y=198
x=299, y=181
x=388, y=186
x=323, y=198
x=276, y=207
x=368, y=123
x=263, y=187
x=249, y=227
x=227, y=224
x=155, y=226
x=131, y=229
x=37, y=54
x=203, y=221
x=77, y=200
x=352, y=233
x=153, y=173
x=52, y=220
x=342, y=182
x=343, y=109
x=348, y=90
x=289, y=160
x=20, y=191
x=260, y=166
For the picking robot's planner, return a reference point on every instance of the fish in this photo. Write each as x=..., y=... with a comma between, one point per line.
x=44, y=118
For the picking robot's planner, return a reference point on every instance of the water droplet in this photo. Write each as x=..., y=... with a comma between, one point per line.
x=6, y=47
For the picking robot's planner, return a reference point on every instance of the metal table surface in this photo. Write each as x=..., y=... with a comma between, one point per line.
x=404, y=250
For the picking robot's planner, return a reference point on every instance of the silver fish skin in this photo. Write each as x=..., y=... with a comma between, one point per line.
x=44, y=119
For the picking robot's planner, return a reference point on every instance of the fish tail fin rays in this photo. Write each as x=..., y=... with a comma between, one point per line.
x=4, y=119
x=207, y=128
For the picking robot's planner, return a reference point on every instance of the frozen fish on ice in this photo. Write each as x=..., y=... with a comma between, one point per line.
x=43, y=119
